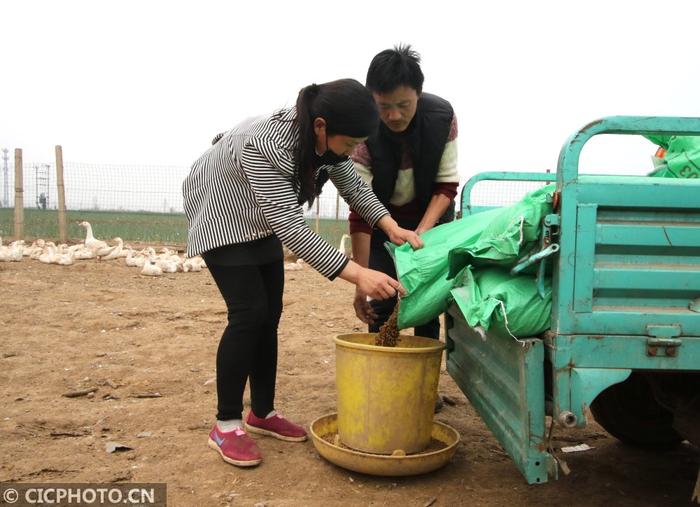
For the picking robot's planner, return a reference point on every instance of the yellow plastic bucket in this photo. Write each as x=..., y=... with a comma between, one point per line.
x=386, y=395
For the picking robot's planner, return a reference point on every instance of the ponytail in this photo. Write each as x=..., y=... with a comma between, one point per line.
x=304, y=178
x=348, y=109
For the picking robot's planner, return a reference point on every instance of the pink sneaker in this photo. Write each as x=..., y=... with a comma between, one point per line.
x=275, y=426
x=235, y=447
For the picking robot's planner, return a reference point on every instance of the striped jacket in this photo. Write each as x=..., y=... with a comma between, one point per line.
x=243, y=189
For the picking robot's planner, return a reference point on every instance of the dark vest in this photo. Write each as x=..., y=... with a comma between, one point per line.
x=426, y=137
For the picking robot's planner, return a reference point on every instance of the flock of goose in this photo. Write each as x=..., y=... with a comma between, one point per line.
x=150, y=263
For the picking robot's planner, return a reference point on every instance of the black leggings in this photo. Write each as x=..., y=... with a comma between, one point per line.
x=248, y=347
x=380, y=260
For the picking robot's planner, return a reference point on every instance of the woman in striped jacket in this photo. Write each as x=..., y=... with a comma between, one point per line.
x=243, y=200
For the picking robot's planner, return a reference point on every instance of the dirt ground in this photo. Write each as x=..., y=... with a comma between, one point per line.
x=102, y=324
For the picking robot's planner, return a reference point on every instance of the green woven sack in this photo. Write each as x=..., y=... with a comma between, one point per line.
x=510, y=234
x=497, y=236
x=423, y=272
x=493, y=299
x=682, y=159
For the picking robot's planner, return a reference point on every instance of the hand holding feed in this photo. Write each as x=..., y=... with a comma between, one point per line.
x=378, y=285
x=363, y=309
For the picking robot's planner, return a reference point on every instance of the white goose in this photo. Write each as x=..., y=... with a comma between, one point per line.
x=150, y=268
x=192, y=264
x=294, y=266
x=125, y=250
x=12, y=253
x=96, y=245
x=18, y=243
x=82, y=252
x=114, y=252
x=34, y=249
x=167, y=252
x=167, y=265
x=66, y=259
x=50, y=254
x=168, y=260
x=136, y=261
x=341, y=247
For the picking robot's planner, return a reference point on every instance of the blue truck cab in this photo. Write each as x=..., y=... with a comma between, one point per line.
x=624, y=341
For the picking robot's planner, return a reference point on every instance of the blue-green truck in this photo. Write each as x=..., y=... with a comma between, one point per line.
x=624, y=341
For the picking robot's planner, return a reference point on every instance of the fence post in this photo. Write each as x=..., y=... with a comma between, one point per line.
x=337, y=206
x=62, y=233
x=19, y=196
x=318, y=213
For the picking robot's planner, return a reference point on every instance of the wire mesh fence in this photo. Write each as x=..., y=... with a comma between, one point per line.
x=144, y=203
x=139, y=203
x=501, y=193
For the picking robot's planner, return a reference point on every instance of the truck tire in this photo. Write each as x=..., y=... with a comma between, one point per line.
x=630, y=413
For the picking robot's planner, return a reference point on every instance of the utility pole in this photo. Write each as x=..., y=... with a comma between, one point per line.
x=6, y=180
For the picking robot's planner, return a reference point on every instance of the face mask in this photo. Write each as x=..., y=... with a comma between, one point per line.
x=331, y=158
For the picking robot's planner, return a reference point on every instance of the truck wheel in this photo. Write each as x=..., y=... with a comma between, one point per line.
x=630, y=413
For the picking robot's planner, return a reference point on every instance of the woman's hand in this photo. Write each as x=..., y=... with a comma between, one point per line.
x=378, y=285
x=363, y=309
x=374, y=284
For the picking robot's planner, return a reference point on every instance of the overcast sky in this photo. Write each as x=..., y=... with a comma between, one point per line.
x=151, y=82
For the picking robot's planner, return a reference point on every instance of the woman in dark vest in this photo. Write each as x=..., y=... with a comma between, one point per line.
x=243, y=199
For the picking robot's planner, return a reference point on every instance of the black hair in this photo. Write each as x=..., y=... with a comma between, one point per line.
x=393, y=68
x=348, y=109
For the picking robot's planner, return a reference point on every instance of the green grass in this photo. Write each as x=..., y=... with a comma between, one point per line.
x=168, y=228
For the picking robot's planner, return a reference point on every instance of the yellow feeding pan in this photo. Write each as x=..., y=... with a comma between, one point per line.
x=324, y=433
